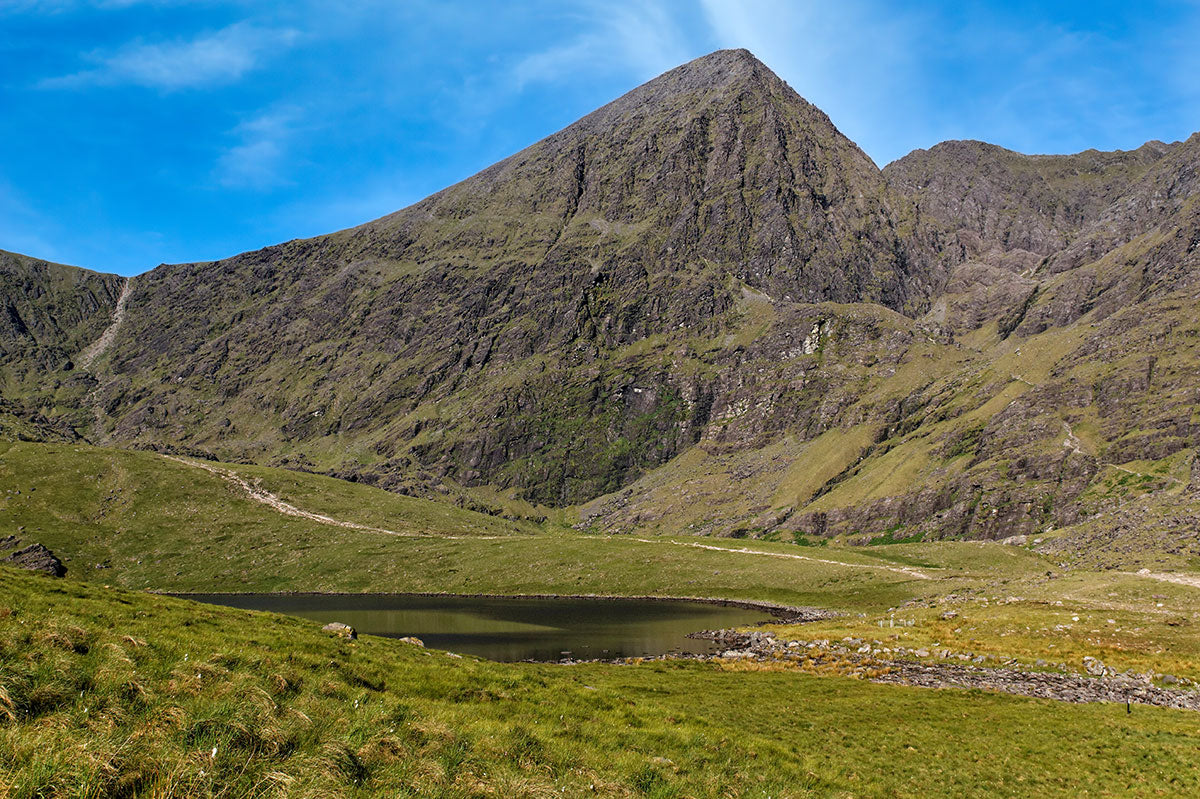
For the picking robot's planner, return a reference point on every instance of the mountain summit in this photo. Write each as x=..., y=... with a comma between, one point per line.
x=716, y=161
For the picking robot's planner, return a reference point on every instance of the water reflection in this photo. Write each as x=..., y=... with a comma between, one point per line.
x=511, y=629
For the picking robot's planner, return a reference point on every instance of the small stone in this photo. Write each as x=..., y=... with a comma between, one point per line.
x=340, y=630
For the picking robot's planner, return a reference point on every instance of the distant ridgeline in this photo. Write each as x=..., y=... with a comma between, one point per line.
x=700, y=308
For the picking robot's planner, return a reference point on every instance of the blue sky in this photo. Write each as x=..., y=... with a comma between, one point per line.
x=135, y=132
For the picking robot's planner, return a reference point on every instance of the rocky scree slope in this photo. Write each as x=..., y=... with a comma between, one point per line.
x=50, y=312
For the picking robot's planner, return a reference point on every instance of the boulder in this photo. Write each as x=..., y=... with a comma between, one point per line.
x=36, y=557
x=409, y=639
x=340, y=630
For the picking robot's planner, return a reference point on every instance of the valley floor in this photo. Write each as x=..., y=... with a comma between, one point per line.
x=108, y=691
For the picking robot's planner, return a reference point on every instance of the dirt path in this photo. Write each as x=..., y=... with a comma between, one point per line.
x=1192, y=580
x=908, y=570
x=272, y=501
x=278, y=505
x=1143, y=474
x=1073, y=443
x=100, y=345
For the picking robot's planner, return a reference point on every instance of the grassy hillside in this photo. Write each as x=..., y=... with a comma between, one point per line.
x=979, y=437
x=143, y=520
x=110, y=693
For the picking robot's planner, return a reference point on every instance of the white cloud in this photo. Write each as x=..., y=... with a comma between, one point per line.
x=641, y=37
x=211, y=59
x=258, y=159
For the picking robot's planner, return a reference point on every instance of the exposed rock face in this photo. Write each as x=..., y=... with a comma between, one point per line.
x=698, y=309
x=48, y=313
x=1081, y=232
x=1031, y=203
x=530, y=326
x=36, y=557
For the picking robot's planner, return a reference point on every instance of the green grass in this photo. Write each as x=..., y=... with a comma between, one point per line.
x=153, y=522
x=111, y=693
x=1058, y=633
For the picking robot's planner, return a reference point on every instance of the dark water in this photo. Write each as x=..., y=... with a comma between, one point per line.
x=513, y=629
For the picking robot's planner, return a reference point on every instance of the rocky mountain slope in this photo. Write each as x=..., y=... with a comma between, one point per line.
x=547, y=324
x=51, y=313
x=700, y=308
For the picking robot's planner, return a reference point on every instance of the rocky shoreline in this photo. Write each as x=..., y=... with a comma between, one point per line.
x=900, y=666
x=893, y=665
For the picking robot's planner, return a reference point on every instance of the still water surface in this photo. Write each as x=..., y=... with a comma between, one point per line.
x=511, y=629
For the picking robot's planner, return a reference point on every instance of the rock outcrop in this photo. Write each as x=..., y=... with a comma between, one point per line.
x=36, y=557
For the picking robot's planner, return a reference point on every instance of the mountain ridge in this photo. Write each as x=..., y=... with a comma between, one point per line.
x=700, y=309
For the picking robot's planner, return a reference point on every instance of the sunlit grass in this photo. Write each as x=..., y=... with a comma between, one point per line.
x=109, y=693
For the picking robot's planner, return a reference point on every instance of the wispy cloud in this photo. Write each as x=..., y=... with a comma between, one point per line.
x=69, y=6
x=211, y=59
x=257, y=161
x=852, y=58
x=643, y=38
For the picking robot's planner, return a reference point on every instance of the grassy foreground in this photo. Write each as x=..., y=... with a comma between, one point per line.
x=112, y=693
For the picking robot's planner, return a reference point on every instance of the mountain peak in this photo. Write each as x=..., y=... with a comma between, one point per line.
x=722, y=66
x=717, y=161
x=690, y=88
x=644, y=224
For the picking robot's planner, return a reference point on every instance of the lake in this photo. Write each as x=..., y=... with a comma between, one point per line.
x=511, y=629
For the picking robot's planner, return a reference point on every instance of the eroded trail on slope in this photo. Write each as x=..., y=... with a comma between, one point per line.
x=100, y=345
x=1192, y=580
x=920, y=575
x=272, y=501
x=261, y=495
